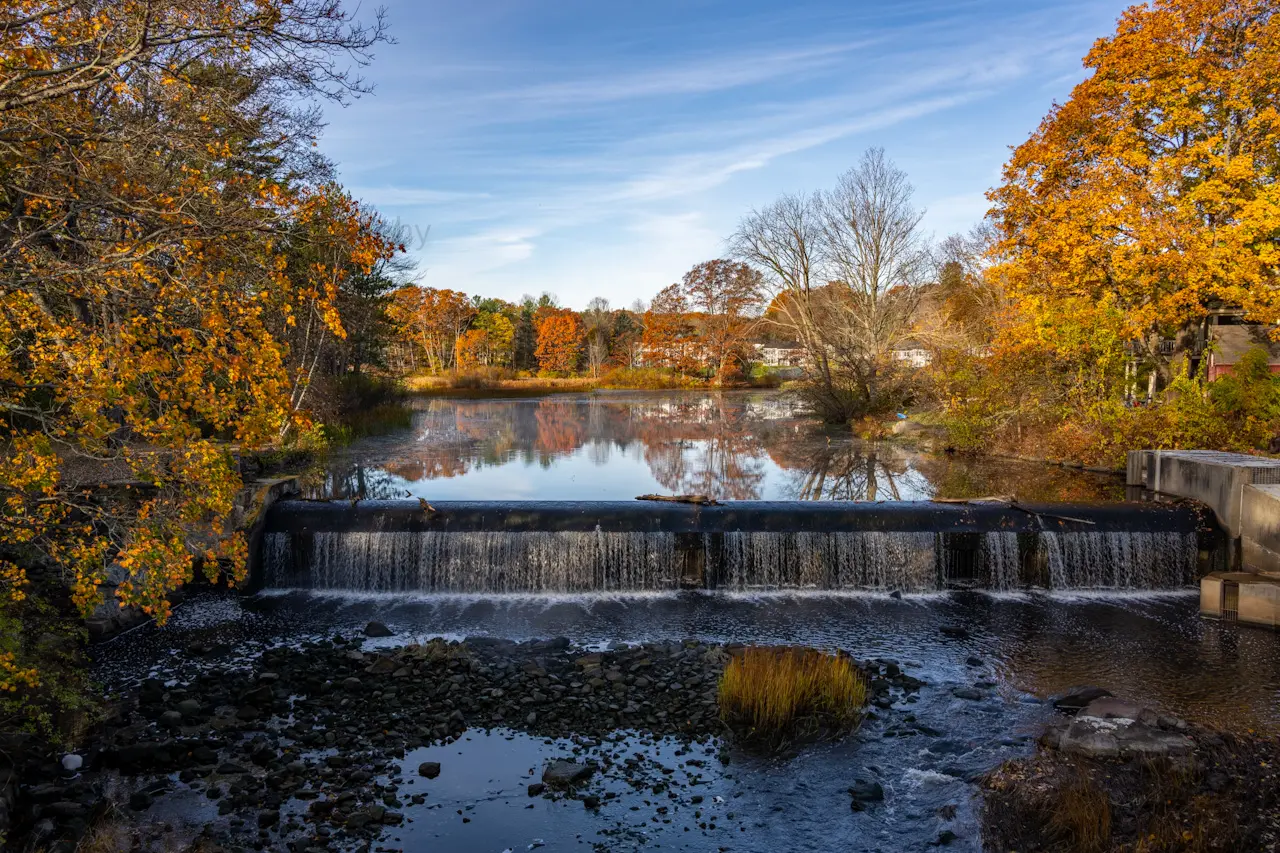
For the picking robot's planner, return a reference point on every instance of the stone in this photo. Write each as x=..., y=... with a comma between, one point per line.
x=973, y=660
x=955, y=631
x=188, y=707
x=563, y=773
x=139, y=801
x=377, y=629
x=1111, y=708
x=1077, y=698
x=429, y=769
x=864, y=793
x=591, y=802
x=1119, y=737
x=268, y=817
x=973, y=694
x=536, y=788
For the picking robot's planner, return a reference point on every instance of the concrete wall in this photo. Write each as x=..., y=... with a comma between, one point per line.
x=1215, y=479
x=1260, y=528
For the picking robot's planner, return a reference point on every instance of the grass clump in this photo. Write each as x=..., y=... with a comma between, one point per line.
x=773, y=696
x=1081, y=815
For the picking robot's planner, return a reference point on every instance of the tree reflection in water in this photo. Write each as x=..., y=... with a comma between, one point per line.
x=732, y=446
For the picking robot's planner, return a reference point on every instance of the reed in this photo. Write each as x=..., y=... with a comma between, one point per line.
x=772, y=696
x=1081, y=815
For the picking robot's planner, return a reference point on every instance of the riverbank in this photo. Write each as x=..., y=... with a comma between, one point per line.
x=1121, y=777
x=509, y=383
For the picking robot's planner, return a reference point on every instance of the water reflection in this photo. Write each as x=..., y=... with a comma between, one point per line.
x=731, y=446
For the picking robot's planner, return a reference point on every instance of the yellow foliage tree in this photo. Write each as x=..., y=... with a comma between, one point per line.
x=169, y=240
x=1155, y=188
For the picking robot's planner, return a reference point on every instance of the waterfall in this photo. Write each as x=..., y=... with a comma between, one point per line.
x=1120, y=560
x=862, y=560
x=998, y=552
x=533, y=561
x=477, y=562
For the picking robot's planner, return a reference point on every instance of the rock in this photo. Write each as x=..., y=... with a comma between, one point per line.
x=268, y=817
x=864, y=793
x=954, y=631
x=562, y=774
x=72, y=762
x=896, y=595
x=171, y=719
x=973, y=660
x=377, y=629
x=944, y=838
x=973, y=694
x=188, y=707
x=139, y=801
x=591, y=802
x=429, y=769
x=1111, y=708
x=536, y=788
x=1077, y=698
x=1095, y=737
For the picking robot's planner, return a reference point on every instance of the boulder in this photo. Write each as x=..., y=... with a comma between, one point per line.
x=562, y=774
x=1075, y=699
x=377, y=629
x=1111, y=708
x=429, y=769
x=1118, y=737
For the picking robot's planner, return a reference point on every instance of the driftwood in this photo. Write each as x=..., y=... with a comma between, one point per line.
x=426, y=507
x=701, y=500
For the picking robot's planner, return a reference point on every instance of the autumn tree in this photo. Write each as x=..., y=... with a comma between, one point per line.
x=165, y=231
x=844, y=269
x=433, y=319
x=670, y=337
x=560, y=339
x=597, y=323
x=1153, y=192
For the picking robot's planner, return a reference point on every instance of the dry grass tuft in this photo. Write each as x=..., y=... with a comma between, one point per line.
x=1081, y=815
x=771, y=696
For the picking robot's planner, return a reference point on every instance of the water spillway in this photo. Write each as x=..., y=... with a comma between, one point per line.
x=486, y=547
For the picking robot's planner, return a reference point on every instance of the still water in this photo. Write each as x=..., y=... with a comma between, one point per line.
x=617, y=445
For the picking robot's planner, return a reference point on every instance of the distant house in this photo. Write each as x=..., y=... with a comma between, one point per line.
x=913, y=353
x=1231, y=342
x=780, y=356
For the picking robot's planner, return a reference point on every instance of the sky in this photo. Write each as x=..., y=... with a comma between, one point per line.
x=604, y=148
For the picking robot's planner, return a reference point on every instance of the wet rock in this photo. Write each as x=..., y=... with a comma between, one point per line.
x=268, y=818
x=139, y=801
x=973, y=660
x=1111, y=708
x=562, y=774
x=591, y=802
x=954, y=631
x=1075, y=699
x=377, y=629
x=973, y=694
x=865, y=793
x=536, y=789
x=944, y=838
x=429, y=769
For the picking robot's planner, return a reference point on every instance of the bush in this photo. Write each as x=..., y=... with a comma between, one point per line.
x=771, y=696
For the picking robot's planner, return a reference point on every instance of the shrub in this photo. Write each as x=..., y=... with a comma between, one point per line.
x=771, y=696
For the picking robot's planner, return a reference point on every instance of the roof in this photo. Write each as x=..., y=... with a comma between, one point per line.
x=1234, y=341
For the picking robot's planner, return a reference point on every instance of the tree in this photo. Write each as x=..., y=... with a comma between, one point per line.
x=560, y=337
x=1154, y=189
x=597, y=321
x=727, y=295
x=844, y=268
x=670, y=337
x=433, y=319
x=172, y=262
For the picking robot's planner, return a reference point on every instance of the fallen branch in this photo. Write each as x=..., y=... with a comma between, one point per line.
x=701, y=500
x=1013, y=504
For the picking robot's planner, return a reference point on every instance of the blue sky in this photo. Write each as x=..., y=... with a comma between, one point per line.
x=603, y=148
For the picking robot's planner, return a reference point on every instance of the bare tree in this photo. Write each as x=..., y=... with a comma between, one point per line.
x=598, y=319
x=844, y=266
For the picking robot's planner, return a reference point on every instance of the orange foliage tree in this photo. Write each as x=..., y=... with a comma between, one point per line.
x=432, y=320
x=1154, y=189
x=168, y=236
x=560, y=337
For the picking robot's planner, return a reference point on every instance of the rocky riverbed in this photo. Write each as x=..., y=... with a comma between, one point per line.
x=312, y=748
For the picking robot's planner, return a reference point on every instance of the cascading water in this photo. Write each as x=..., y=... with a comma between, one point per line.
x=477, y=562
x=861, y=560
x=1120, y=560
x=999, y=553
